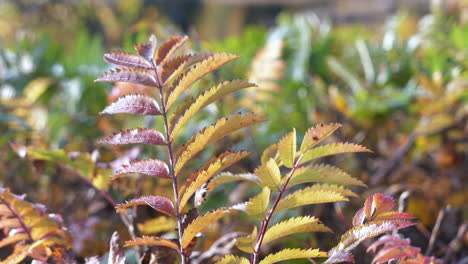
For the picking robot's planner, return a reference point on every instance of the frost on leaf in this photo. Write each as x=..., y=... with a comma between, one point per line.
x=159, y=203
x=133, y=104
x=129, y=75
x=134, y=136
x=151, y=167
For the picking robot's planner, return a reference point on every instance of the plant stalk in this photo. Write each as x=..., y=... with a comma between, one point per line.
x=185, y=259
x=264, y=225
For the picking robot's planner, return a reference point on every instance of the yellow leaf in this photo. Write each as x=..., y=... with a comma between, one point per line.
x=168, y=48
x=212, y=167
x=231, y=259
x=206, y=98
x=322, y=173
x=309, y=195
x=257, y=206
x=200, y=224
x=293, y=226
x=151, y=241
x=223, y=127
x=157, y=225
x=35, y=89
x=247, y=243
x=269, y=174
x=287, y=149
x=270, y=152
x=332, y=149
x=226, y=177
x=316, y=134
x=293, y=253
x=198, y=71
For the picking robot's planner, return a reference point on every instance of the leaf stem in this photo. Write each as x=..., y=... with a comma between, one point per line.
x=175, y=188
x=266, y=221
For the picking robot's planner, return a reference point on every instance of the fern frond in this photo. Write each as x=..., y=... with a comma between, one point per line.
x=322, y=173
x=231, y=259
x=220, y=129
x=159, y=203
x=206, y=98
x=168, y=48
x=133, y=104
x=212, y=167
x=257, y=206
x=134, y=136
x=247, y=243
x=316, y=134
x=294, y=253
x=32, y=230
x=199, y=224
x=152, y=241
x=226, y=177
x=270, y=175
x=151, y=167
x=127, y=60
x=198, y=71
x=310, y=195
x=293, y=226
x=332, y=149
x=143, y=77
x=287, y=149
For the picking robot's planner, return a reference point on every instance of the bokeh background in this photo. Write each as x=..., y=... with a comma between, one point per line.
x=393, y=72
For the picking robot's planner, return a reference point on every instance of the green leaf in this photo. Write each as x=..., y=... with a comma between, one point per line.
x=287, y=149
x=294, y=253
x=332, y=149
x=322, y=173
x=316, y=134
x=247, y=243
x=311, y=195
x=223, y=127
x=293, y=226
x=201, y=223
x=269, y=174
x=257, y=206
x=231, y=259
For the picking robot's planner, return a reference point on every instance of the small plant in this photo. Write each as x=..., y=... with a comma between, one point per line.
x=33, y=232
x=171, y=76
x=278, y=195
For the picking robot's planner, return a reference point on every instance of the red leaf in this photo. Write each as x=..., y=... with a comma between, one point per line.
x=168, y=48
x=134, y=136
x=129, y=75
x=376, y=204
x=127, y=60
x=336, y=257
x=388, y=240
x=151, y=167
x=159, y=203
x=133, y=104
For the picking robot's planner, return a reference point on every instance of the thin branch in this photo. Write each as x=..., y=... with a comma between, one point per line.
x=435, y=231
x=266, y=221
x=175, y=188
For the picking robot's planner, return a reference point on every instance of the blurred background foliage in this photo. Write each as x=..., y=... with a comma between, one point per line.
x=399, y=85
